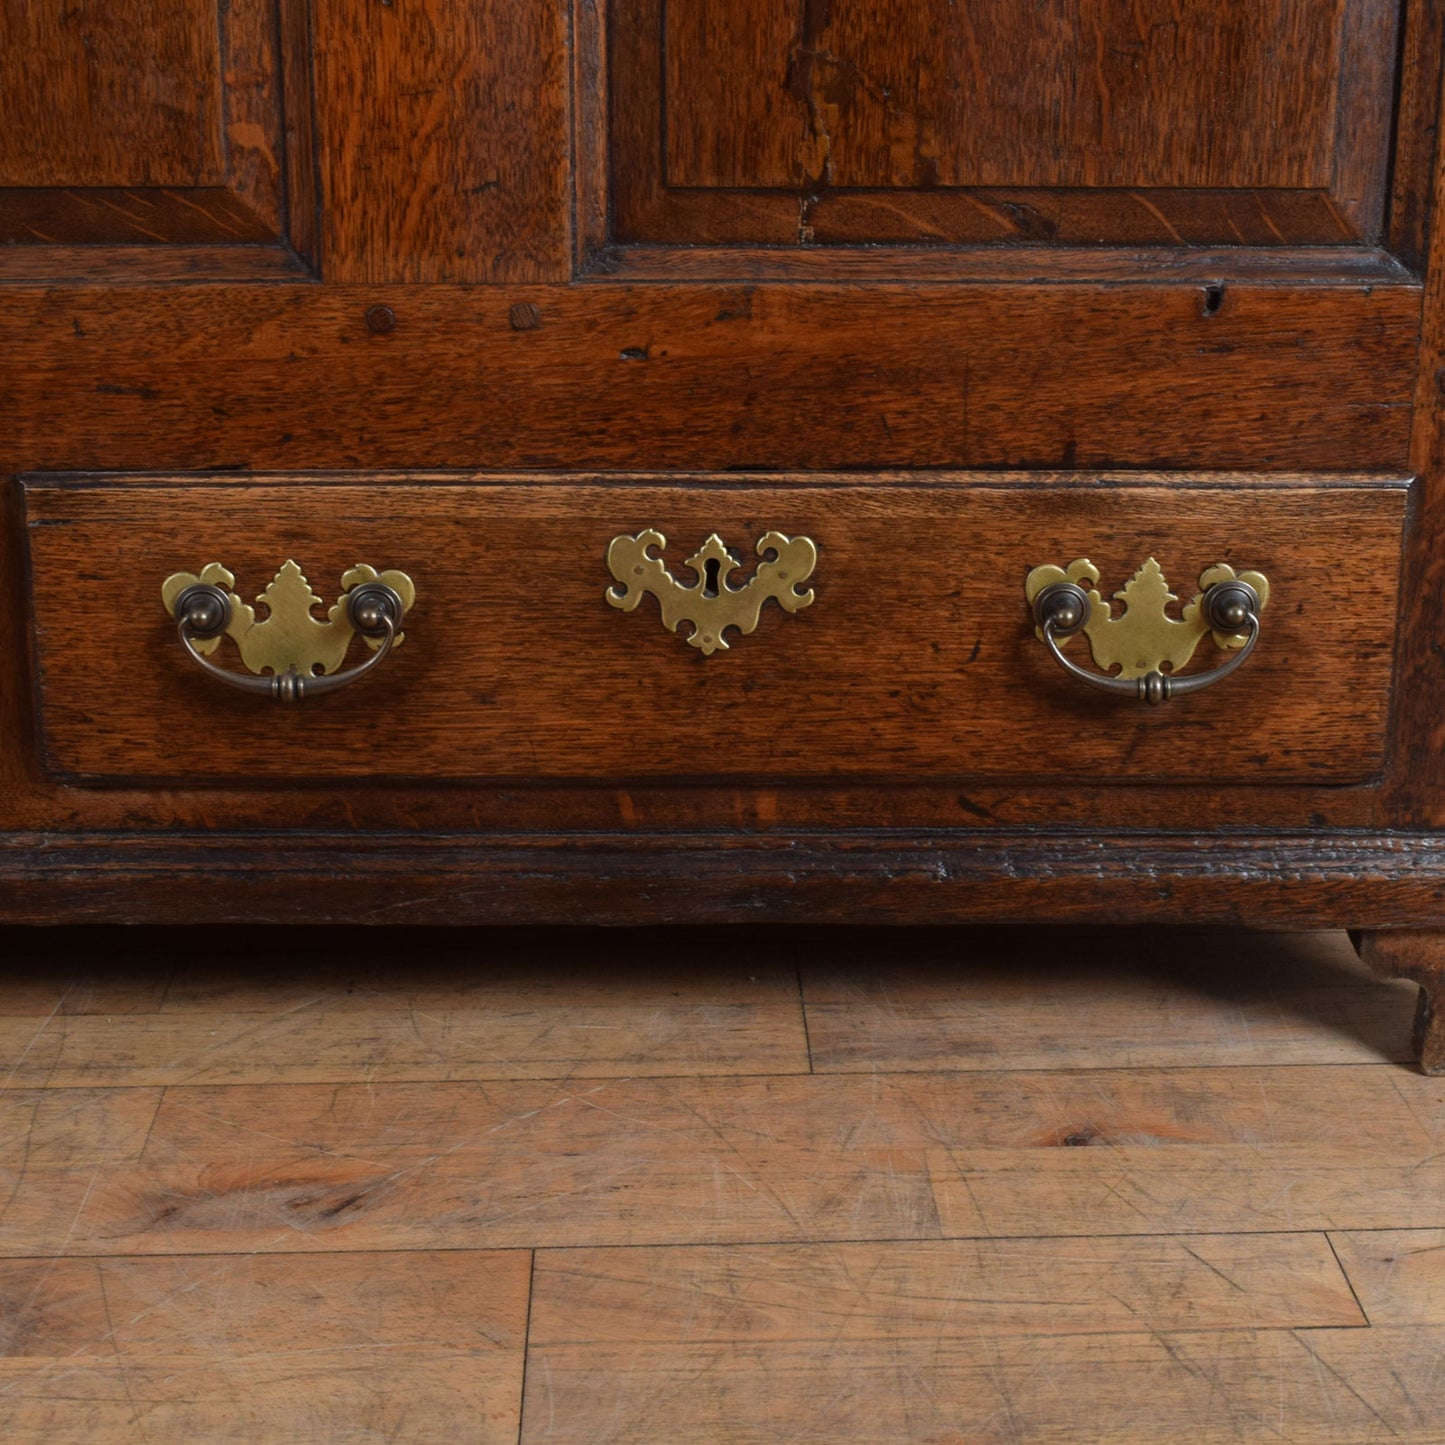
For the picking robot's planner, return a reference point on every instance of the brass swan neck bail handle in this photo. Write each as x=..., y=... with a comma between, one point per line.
x=301, y=653
x=1146, y=638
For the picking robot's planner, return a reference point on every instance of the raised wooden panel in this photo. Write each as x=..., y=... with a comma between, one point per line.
x=910, y=94
x=1129, y=122
x=163, y=126
x=97, y=94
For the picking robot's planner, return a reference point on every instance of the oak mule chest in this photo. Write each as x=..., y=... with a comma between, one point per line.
x=833, y=460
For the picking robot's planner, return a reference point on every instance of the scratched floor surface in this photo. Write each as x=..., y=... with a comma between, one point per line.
x=679, y=1189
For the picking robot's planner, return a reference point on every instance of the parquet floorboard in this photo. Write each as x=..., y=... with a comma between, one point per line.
x=979, y=1288
x=638, y=1188
x=242, y=1348
x=698, y=1160
x=1398, y=1274
x=1309, y=1387
x=290, y=1016
x=1090, y=1001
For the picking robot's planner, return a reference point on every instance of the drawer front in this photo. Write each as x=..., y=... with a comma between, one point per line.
x=918, y=656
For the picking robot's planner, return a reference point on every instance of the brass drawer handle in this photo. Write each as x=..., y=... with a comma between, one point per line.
x=301, y=653
x=1146, y=638
x=711, y=604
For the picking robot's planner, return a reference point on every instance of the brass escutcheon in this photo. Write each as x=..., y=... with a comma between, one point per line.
x=1145, y=639
x=301, y=652
x=711, y=604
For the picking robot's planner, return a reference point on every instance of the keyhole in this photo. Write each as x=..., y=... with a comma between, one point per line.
x=710, y=570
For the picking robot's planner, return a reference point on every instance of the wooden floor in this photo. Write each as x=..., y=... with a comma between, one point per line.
x=691, y=1188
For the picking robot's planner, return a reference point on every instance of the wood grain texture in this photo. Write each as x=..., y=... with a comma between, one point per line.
x=41, y=806
x=219, y=1348
x=35, y=805
x=1417, y=794
x=861, y=95
x=966, y=689
x=443, y=135
x=53, y=811
x=172, y=264
x=1326, y=1387
x=891, y=1332
x=109, y=216
x=1419, y=956
x=1237, y=879
x=1398, y=1275
x=169, y=129
x=299, y=1168
x=752, y=1297
x=69, y=1129
x=1053, y=265
x=300, y=150
x=757, y=811
x=99, y=97
x=1279, y=378
x=592, y=205
x=965, y=223
x=271, y=1011
x=1006, y=1002
x=1375, y=61
x=473, y=1013
x=299, y=1262
x=1417, y=119
x=437, y=128
x=915, y=122
x=34, y=988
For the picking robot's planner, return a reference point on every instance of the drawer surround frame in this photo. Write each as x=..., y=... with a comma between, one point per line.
x=105, y=511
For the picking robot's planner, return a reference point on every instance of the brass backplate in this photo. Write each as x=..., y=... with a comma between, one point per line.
x=711, y=604
x=1145, y=638
x=289, y=638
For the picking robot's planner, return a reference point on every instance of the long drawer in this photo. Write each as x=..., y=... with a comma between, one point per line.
x=917, y=656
